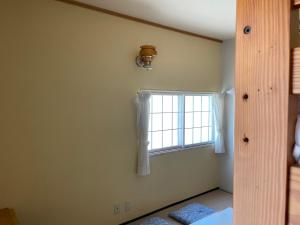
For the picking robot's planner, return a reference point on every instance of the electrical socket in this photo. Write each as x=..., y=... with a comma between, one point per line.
x=127, y=206
x=116, y=209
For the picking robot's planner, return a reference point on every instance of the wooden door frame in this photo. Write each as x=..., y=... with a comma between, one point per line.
x=264, y=127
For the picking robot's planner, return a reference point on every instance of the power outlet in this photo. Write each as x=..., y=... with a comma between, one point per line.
x=116, y=209
x=127, y=206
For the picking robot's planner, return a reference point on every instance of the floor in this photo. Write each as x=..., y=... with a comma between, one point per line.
x=217, y=200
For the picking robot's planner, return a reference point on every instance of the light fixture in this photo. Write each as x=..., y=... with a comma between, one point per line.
x=145, y=57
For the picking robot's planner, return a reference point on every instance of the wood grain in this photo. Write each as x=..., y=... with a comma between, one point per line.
x=113, y=13
x=262, y=71
x=8, y=217
x=296, y=70
x=294, y=198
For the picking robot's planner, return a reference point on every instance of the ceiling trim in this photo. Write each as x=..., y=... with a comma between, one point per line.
x=113, y=13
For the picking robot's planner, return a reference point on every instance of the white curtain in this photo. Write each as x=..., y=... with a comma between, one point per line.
x=143, y=110
x=218, y=113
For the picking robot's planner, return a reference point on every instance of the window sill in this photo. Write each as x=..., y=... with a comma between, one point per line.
x=166, y=151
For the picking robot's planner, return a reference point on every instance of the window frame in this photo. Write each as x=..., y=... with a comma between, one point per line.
x=183, y=147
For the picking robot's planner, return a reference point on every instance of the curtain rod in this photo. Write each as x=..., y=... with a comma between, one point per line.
x=229, y=91
x=176, y=91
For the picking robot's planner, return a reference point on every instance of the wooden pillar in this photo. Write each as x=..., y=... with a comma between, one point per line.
x=263, y=130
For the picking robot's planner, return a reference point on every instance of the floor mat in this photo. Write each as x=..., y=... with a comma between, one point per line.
x=191, y=213
x=155, y=221
x=224, y=217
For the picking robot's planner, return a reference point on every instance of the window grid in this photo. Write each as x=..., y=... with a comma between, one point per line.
x=191, y=127
x=162, y=112
x=172, y=139
x=181, y=114
x=193, y=115
x=162, y=121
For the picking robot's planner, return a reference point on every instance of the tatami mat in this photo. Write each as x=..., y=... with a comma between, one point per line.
x=217, y=200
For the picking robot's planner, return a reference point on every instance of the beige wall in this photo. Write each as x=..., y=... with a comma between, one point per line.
x=67, y=118
x=227, y=71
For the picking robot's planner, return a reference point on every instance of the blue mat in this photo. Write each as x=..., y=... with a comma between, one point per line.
x=155, y=221
x=191, y=213
x=224, y=217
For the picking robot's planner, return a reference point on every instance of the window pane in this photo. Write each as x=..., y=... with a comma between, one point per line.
x=156, y=103
x=197, y=119
x=167, y=103
x=205, y=103
x=205, y=121
x=197, y=135
x=167, y=138
x=188, y=137
x=197, y=103
x=167, y=121
x=188, y=103
x=157, y=140
x=169, y=112
x=175, y=137
x=188, y=120
x=204, y=134
x=175, y=120
x=157, y=122
x=175, y=104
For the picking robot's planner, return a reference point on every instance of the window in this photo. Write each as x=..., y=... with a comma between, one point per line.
x=179, y=120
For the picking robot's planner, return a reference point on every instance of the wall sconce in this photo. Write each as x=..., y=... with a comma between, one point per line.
x=145, y=57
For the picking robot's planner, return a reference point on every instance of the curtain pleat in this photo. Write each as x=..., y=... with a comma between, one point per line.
x=143, y=110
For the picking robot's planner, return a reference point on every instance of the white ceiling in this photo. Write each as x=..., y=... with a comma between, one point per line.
x=212, y=18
